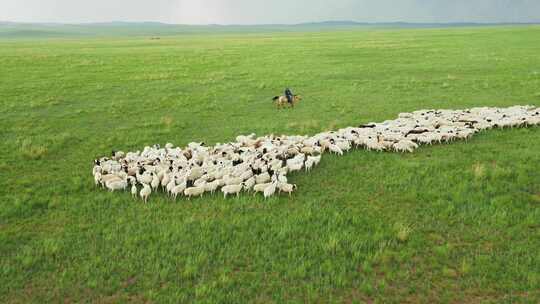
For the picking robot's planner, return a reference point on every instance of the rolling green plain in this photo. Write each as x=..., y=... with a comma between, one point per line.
x=450, y=223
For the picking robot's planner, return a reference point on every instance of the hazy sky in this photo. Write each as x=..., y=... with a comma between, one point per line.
x=269, y=11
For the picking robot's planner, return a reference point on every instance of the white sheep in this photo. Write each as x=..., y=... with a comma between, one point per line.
x=155, y=182
x=335, y=149
x=316, y=159
x=249, y=183
x=246, y=175
x=262, y=178
x=232, y=189
x=195, y=191
x=109, y=178
x=145, y=192
x=294, y=166
x=287, y=188
x=116, y=185
x=134, y=190
x=170, y=185
x=270, y=190
x=145, y=178
x=229, y=180
x=405, y=145
x=179, y=189
x=211, y=186
x=282, y=178
x=261, y=187
x=97, y=178
x=165, y=180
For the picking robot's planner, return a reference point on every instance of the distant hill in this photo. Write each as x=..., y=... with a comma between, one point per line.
x=117, y=28
x=348, y=23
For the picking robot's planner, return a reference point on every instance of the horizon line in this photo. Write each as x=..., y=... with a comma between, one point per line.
x=271, y=24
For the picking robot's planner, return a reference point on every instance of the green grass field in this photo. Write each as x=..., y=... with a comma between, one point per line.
x=456, y=223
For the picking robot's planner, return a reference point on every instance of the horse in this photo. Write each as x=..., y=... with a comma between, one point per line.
x=283, y=100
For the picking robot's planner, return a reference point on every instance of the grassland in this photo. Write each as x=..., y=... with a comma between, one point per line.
x=455, y=223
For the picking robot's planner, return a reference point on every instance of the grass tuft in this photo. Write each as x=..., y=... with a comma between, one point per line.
x=403, y=232
x=167, y=121
x=479, y=170
x=32, y=151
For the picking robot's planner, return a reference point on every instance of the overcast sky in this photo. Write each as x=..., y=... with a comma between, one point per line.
x=269, y=11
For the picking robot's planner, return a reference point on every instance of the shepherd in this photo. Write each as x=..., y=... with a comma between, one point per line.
x=289, y=95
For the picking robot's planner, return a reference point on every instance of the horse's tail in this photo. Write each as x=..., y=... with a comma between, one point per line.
x=275, y=98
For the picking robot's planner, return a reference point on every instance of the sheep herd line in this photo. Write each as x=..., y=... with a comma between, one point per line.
x=261, y=165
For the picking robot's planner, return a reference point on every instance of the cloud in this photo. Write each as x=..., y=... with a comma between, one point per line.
x=269, y=11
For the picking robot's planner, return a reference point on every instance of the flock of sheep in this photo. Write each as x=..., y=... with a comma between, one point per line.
x=262, y=164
